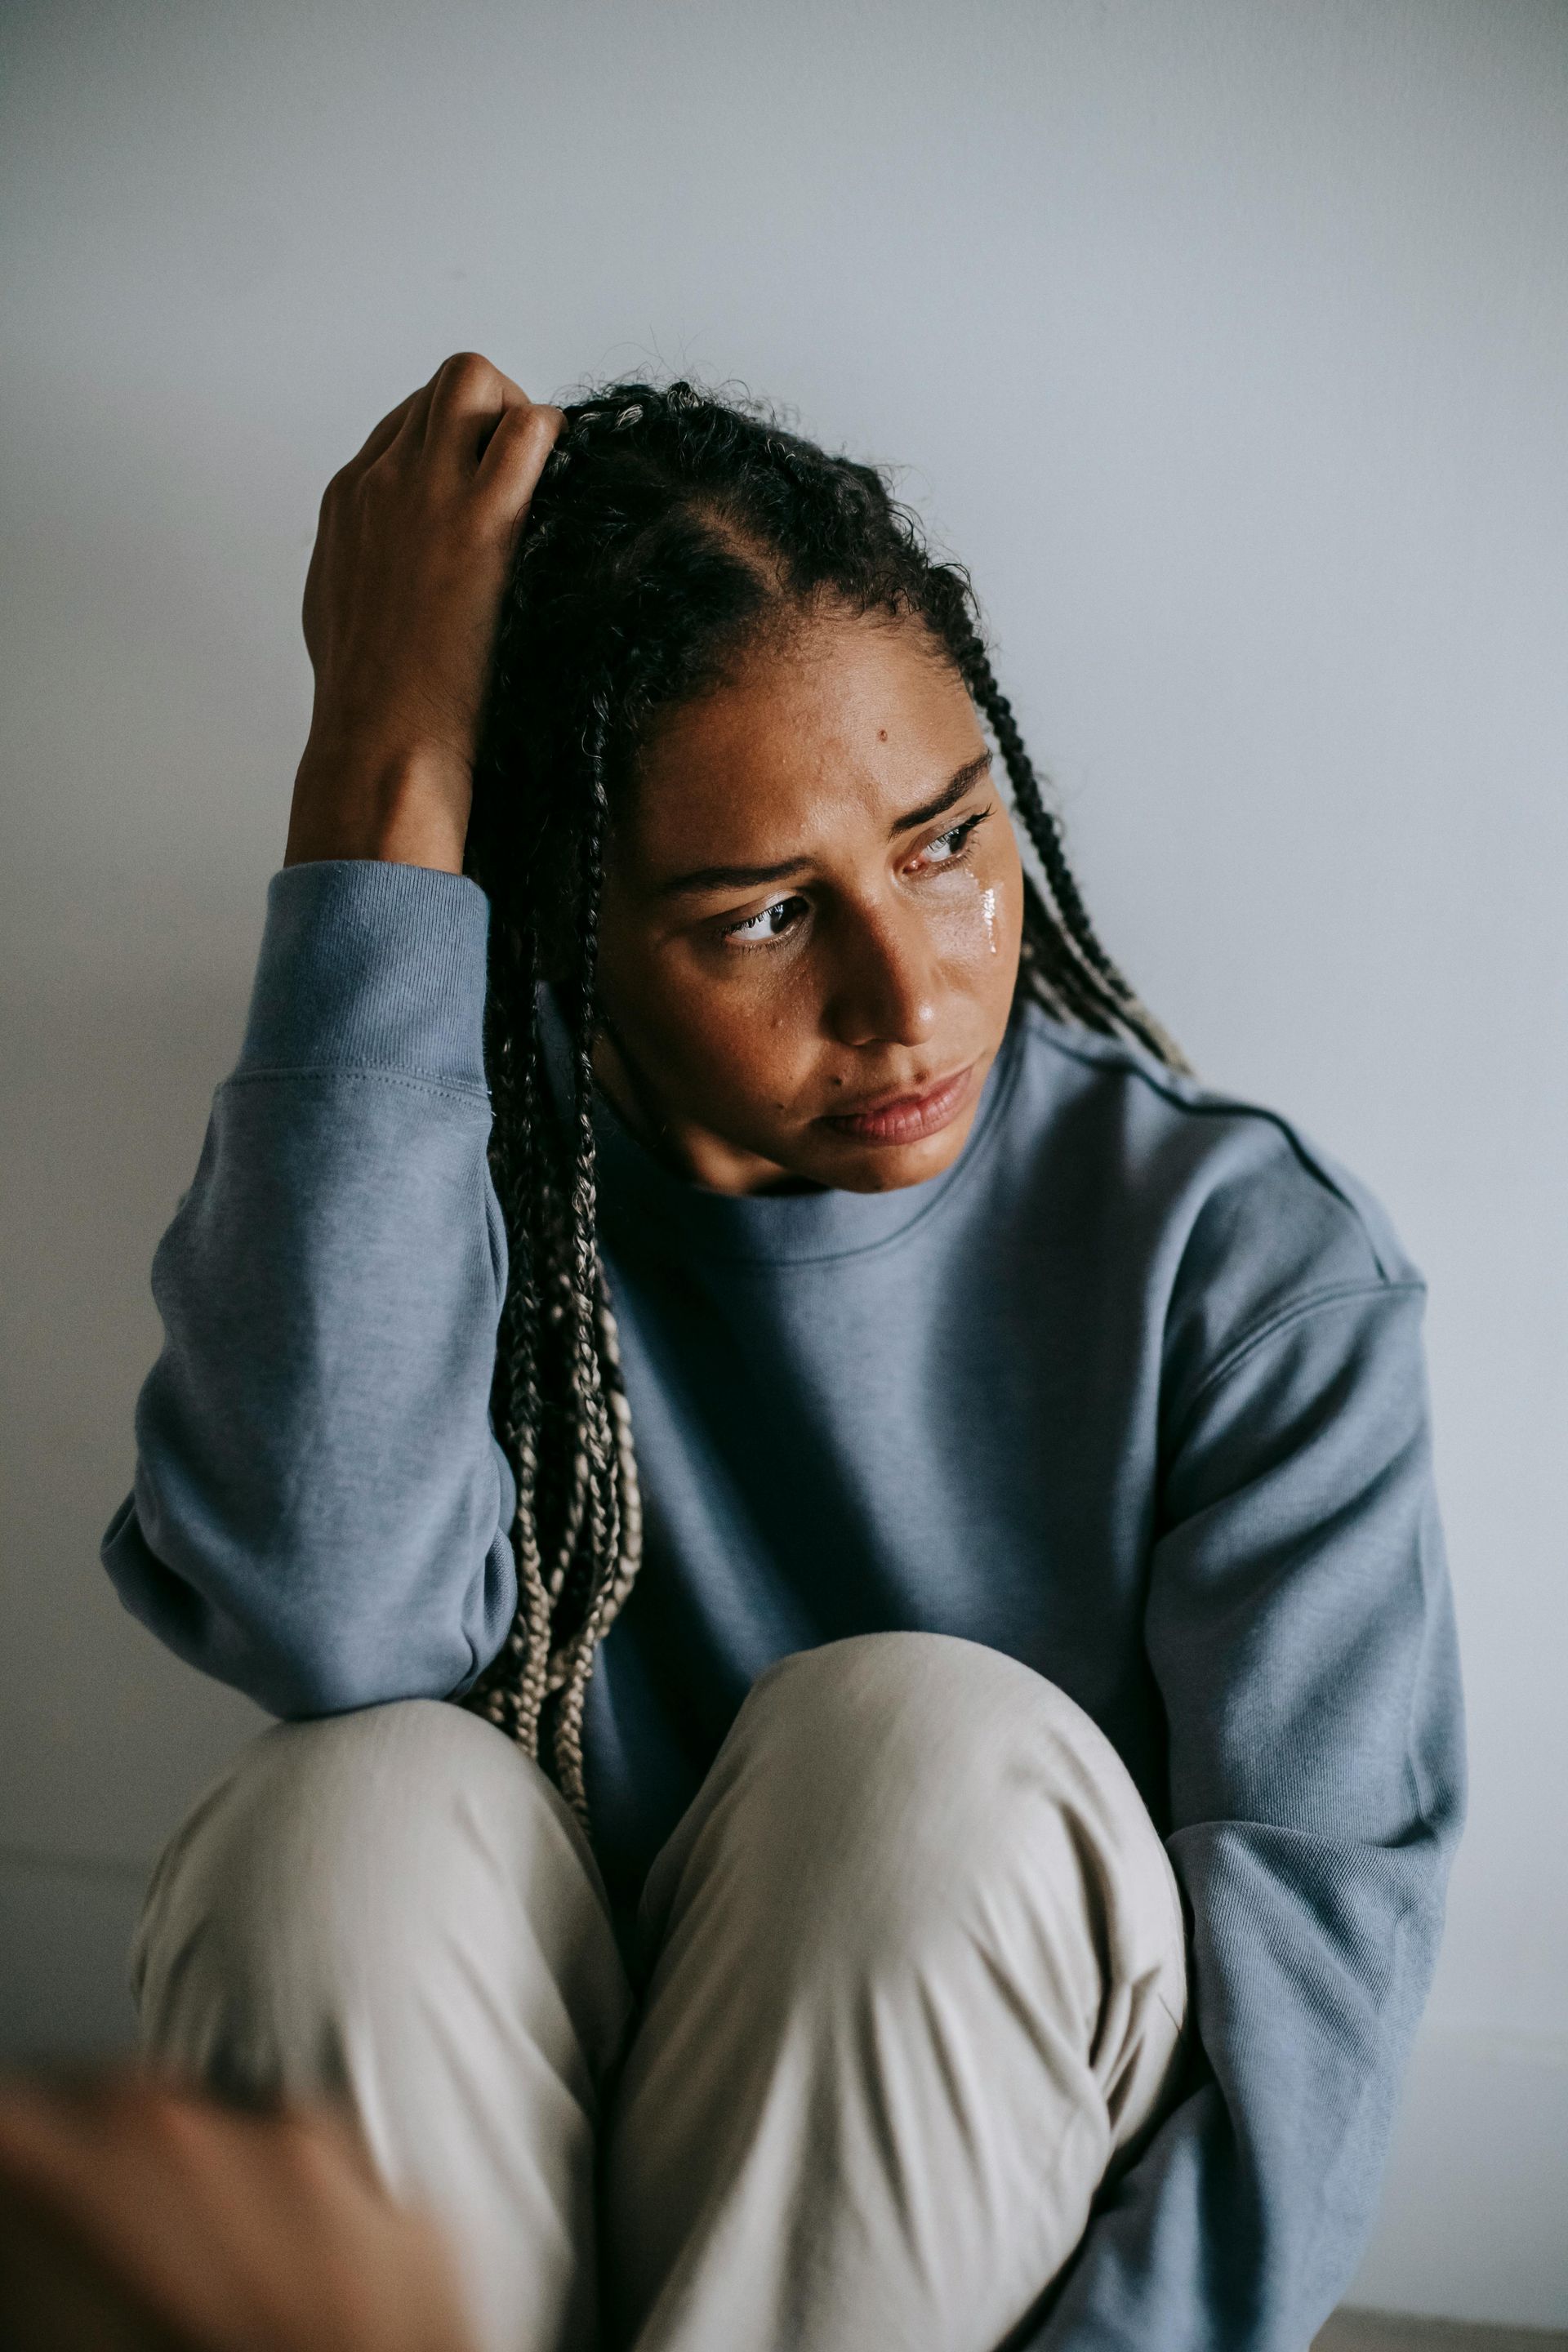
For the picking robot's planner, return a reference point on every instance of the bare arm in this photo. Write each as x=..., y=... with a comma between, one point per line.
x=412, y=553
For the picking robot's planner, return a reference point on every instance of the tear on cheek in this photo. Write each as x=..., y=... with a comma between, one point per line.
x=968, y=916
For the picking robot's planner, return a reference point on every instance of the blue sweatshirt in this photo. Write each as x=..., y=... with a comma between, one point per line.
x=1133, y=1391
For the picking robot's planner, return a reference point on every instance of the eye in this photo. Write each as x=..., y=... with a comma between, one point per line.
x=954, y=842
x=757, y=929
x=777, y=920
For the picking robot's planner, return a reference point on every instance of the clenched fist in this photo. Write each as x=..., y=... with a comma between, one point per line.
x=413, y=552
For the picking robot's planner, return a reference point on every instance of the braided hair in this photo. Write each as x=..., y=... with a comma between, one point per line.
x=670, y=530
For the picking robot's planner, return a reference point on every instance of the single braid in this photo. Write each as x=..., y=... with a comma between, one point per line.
x=1102, y=996
x=669, y=529
x=558, y=1303
x=512, y=1694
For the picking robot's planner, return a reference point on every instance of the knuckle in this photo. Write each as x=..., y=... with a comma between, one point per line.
x=465, y=368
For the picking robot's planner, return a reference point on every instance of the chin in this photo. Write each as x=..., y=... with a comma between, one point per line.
x=889, y=1167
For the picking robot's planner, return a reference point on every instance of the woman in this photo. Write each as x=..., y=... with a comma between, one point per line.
x=944, y=1498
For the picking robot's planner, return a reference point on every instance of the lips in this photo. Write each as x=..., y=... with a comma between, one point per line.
x=905, y=1119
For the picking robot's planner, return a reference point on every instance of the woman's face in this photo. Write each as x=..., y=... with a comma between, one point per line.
x=811, y=914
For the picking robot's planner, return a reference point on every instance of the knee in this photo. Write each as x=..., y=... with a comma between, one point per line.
x=925, y=1731
x=914, y=1779
x=329, y=1840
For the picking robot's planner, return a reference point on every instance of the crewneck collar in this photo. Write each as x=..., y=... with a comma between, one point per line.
x=636, y=1190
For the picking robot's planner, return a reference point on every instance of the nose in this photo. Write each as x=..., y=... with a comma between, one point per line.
x=883, y=989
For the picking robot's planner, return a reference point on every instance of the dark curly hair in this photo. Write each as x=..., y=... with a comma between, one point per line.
x=671, y=529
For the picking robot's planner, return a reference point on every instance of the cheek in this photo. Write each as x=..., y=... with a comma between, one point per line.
x=760, y=1037
x=716, y=1042
x=980, y=925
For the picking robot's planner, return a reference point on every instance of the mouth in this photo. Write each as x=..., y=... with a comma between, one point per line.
x=906, y=1118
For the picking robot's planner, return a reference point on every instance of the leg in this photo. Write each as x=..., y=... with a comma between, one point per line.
x=395, y=1909
x=920, y=1979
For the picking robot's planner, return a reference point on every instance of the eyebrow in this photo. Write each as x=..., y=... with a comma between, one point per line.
x=747, y=877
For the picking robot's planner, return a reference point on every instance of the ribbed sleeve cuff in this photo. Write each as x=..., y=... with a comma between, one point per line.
x=371, y=966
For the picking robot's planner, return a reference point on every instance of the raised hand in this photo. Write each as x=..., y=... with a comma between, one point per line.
x=401, y=599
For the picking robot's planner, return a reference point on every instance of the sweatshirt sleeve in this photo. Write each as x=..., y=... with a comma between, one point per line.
x=321, y=1510
x=1299, y=1627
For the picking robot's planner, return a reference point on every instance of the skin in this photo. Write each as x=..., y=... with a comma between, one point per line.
x=742, y=1018
x=745, y=1019
x=893, y=964
x=135, y=2217
x=412, y=549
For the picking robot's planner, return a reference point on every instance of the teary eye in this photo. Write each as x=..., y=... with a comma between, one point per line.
x=957, y=838
x=782, y=915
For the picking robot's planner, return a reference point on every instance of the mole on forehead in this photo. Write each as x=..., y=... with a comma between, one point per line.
x=777, y=726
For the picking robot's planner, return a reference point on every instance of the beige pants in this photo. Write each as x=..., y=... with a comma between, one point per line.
x=916, y=1979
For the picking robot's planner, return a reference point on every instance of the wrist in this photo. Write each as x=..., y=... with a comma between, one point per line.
x=402, y=805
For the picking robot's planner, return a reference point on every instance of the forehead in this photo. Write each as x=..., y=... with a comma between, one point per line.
x=851, y=719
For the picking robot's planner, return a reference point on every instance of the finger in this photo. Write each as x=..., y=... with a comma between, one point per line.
x=386, y=432
x=516, y=453
x=339, y=2129
x=44, y=2126
x=67, y=2161
x=65, y=2140
x=409, y=419
x=469, y=398
x=155, y=2188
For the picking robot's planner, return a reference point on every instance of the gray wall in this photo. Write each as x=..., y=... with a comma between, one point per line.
x=1227, y=342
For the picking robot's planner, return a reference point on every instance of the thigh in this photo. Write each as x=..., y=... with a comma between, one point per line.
x=396, y=1910
x=917, y=1978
